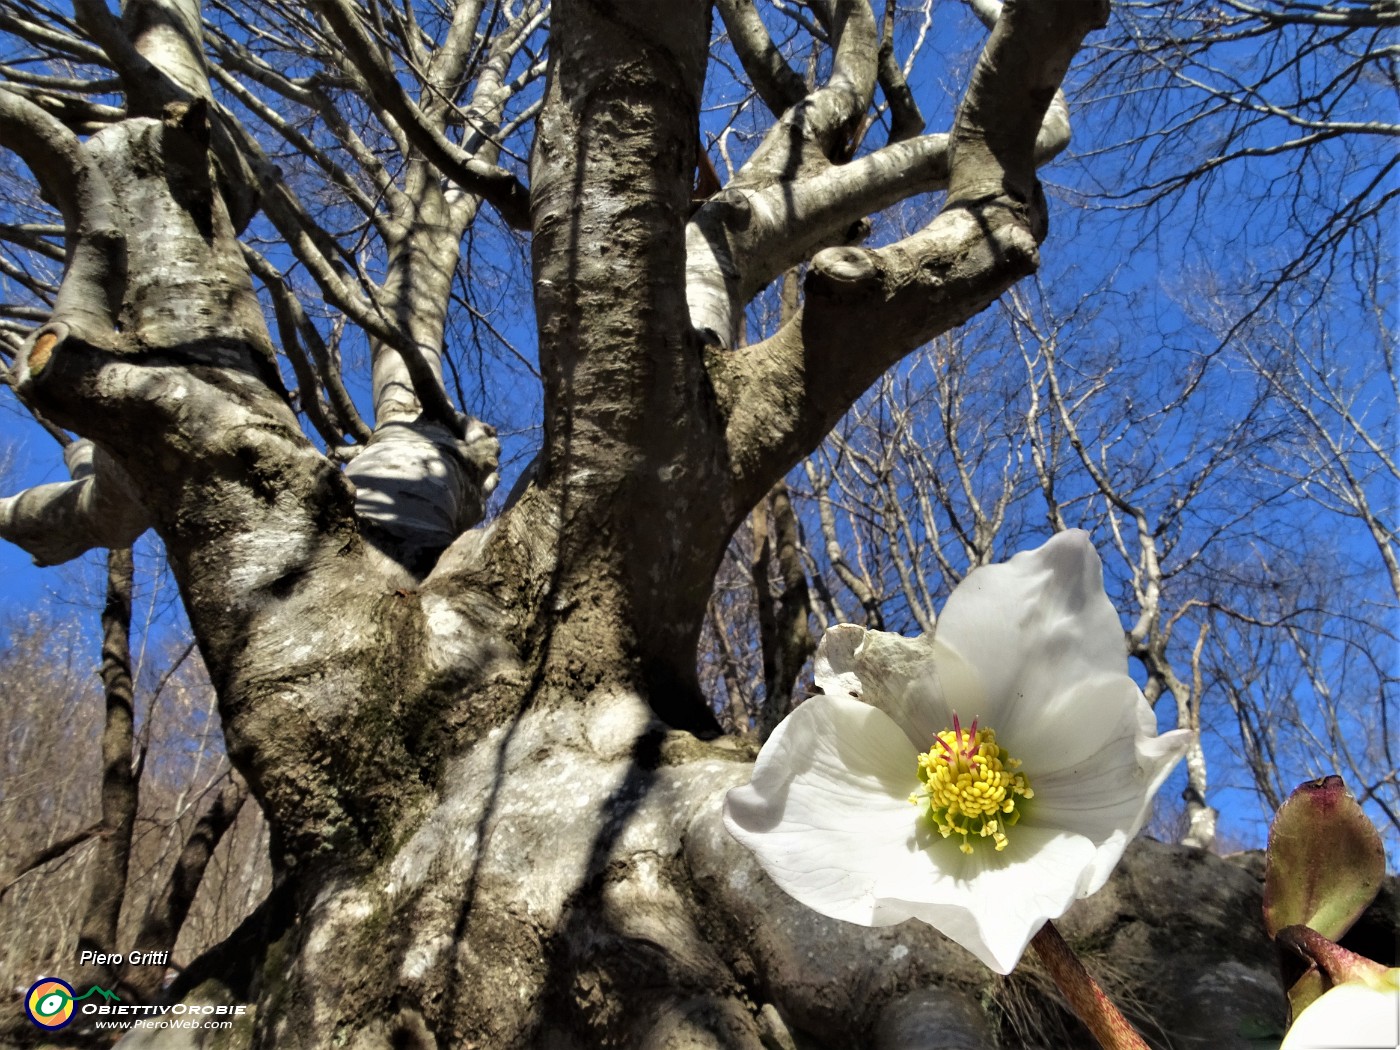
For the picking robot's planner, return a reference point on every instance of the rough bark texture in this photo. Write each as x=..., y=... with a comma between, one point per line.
x=632, y=919
x=492, y=782
x=634, y=474
x=65, y=519
x=784, y=609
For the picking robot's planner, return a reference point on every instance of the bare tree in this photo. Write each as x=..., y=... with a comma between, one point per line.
x=51, y=714
x=1188, y=477
x=98, y=929
x=99, y=879
x=1313, y=619
x=1291, y=110
x=479, y=749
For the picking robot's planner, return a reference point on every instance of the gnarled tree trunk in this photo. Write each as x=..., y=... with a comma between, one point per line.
x=492, y=781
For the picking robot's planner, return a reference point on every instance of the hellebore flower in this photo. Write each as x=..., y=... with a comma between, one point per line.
x=1360, y=1014
x=980, y=779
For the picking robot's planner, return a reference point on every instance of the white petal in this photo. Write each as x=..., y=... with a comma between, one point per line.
x=993, y=903
x=1101, y=715
x=827, y=813
x=1107, y=800
x=907, y=678
x=1036, y=631
x=1351, y=1015
x=1035, y=651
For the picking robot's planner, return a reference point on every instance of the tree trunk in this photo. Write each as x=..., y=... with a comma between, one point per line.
x=112, y=854
x=782, y=617
x=618, y=912
x=492, y=781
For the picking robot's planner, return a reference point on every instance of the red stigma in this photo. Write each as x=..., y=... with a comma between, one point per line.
x=960, y=751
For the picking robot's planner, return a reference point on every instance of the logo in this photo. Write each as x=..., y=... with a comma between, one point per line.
x=49, y=1002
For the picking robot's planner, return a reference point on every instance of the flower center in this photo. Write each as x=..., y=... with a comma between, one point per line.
x=969, y=786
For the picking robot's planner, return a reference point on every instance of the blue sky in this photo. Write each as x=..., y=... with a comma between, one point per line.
x=1139, y=280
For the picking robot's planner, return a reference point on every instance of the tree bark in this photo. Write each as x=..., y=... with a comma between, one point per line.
x=782, y=616
x=492, y=781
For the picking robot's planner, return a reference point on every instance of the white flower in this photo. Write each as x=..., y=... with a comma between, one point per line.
x=1357, y=1015
x=1033, y=651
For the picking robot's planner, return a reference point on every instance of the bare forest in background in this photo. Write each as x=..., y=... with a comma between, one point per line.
x=1204, y=379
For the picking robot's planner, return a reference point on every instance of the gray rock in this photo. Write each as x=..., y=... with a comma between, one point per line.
x=933, y=1019
x=1176, y=937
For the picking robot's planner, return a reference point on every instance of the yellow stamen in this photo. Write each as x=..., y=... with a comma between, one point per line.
x=969, y=786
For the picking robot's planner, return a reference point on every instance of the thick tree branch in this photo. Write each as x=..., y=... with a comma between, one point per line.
x=1012, y=88
x=258, y=526
x=817, y=130
x=156, y=49
x=745, y=235
x=169, y=34
x=424, y=485
x=788, y=391
x=95, y=243
x=742, y=239
x=52, y=152
x=446, y=66
x=58, y=522
x=462, y=54
x=80, y=115
x=905, y=119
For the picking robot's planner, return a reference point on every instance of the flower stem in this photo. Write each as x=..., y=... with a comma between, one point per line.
x=1088, y=1001
x=1332, y=959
